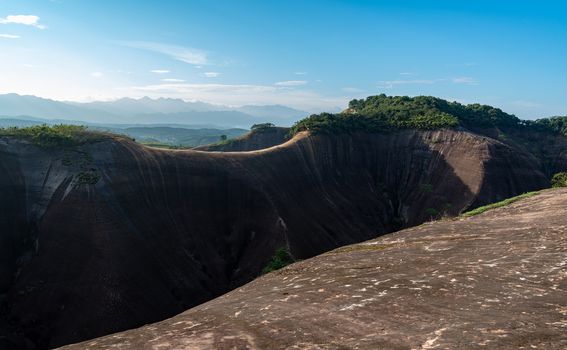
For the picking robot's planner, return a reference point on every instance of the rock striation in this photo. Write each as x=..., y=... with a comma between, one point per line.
x=494, y=281
x=111, y=235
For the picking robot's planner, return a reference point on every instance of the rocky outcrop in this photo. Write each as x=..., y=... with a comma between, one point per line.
x=495, y=281
x=112, y=235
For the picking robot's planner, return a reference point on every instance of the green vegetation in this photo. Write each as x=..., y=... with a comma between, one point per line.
x=282, y=257
x=432, y=212
x=53, y=136
x=88, y=178
x=559, y=180
x=503, y=203
x=554, y=124
x=383, y=113
x=426, y=188
x=386, y=113
x=262, y=126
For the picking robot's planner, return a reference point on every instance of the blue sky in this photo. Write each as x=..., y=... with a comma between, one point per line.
x=313, y=55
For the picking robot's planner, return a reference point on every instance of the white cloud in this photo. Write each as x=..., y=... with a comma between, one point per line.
x=159, y=71
x=300, y=73
x=465, y=80
x=9, y=36
x=171, y=80
x=96, y=75
x=291, y=83
x=179, y=53
x=211, y=74
x=27, y=20
x=406, y=73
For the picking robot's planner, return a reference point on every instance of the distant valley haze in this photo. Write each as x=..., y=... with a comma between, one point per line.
x=145, y=111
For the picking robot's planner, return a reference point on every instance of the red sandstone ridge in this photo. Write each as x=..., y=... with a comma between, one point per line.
x=495, y=281
x=112, y=235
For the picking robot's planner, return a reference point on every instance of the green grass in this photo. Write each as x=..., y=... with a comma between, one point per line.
x=503, y=203
x=282, y=257
x=54, y=136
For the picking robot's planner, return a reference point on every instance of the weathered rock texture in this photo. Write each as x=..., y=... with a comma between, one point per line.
x=112, y=235
x=495, y=281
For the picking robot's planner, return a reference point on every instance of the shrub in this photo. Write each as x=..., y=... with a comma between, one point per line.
x=88, y=178
x=432, y=212
x=262, y=126
x=282, y=257
x=559, y=180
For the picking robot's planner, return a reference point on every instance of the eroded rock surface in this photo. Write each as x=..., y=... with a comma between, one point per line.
x=109, y=236
x=494, y=281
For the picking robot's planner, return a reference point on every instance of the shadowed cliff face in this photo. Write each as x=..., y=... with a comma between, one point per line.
x=493, y=281
x=112, y=235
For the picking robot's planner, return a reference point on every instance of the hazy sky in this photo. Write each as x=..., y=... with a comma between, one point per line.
x=314, y=55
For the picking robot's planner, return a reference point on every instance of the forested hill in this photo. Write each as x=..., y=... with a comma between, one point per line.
x=382, y=113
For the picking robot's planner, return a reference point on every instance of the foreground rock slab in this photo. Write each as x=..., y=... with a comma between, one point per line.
x=494, y=281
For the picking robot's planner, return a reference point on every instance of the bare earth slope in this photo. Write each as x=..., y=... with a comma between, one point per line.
x=108, y=236
x=494, y=281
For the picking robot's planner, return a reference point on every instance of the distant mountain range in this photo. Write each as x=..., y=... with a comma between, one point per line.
x=147, y=111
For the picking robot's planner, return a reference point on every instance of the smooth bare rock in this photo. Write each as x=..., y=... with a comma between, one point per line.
x=494, y=281
x=160, y=231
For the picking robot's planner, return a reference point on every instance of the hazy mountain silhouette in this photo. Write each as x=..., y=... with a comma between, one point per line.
x=147, y=111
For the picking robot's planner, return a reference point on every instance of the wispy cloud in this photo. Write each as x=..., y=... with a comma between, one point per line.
x=388, y=84
x=9, y=36
x=407, y=73
x=172, y=80
x=180, y=53
x=27, y=20
x=242, y=94
x=465, y=80
x=159, y=71
x=291, y=83
x=96, y=75
x=300, y=73
x=352, y=89
x=526, y=104
x=211, y=74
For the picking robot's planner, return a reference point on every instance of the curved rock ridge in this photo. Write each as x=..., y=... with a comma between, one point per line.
x=494, y=281
x=253, y=141
x=112, y=235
